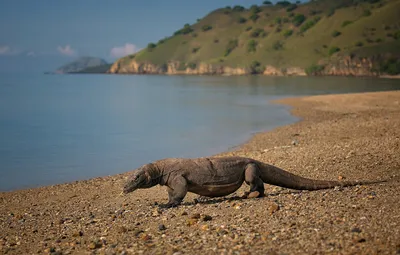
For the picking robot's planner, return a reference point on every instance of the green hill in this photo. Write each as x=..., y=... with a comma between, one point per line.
x=82, y=64
x=341, y=37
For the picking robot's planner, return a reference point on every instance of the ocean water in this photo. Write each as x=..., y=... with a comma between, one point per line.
x=61, y=128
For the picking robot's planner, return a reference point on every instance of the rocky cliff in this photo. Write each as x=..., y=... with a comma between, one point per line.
x=345, y=66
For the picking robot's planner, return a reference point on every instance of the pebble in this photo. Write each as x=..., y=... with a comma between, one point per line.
x=205, y=227
x=123, y=229
x=195, y=216
x=162, y=227
x=77, y=233
x=137, y=232
x=191, y=222
x=95, y=245
x=156, y=212
x=273, y=207
x=206, y=217
x=145, y=237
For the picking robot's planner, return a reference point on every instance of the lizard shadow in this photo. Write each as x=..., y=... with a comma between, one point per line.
x=211, y=201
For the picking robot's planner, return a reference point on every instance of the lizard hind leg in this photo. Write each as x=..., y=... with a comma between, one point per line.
x=252, y=178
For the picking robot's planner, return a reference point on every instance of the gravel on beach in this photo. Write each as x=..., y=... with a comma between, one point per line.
x=340, y=137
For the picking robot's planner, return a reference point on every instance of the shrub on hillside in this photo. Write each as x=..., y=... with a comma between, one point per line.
x=251, y=46
x=298, y=19
x=255, y=67
x=356, y=2
x=309, y=24
x=192, y=65
x=151, y=46
x=255, y=9
x=241, y=20
x=287, y=33
x=206, y=28
x=185, y=30
x=238, y=8
x=232, y=44
x=278, y=20
x=396, y=35
x=283, y=3
x=314, y=69
x=258, y=32
x=333, y=50
x=359, y=44
x=291, y=7
x=254, y=17
x=267, y=3
x=330, y=12
x=367, y=13
x=346, y=23
x=278, y=45
x=181, y=66
x=227, y=10
x=336, y=33
x=391, y=66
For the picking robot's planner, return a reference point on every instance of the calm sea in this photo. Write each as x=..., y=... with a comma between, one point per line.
x=61, y=128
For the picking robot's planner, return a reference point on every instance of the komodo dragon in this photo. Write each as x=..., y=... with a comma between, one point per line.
x=220, y=176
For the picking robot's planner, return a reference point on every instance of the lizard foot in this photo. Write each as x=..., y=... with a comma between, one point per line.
x=200, y=199
x=170, y=205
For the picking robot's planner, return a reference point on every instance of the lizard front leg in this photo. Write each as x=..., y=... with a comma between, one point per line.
x=252, y=178
x=177, y=190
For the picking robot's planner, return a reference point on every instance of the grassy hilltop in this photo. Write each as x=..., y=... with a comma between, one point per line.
x=310, y=36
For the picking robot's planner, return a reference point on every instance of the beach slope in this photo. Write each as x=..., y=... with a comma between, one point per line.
x=350, y=137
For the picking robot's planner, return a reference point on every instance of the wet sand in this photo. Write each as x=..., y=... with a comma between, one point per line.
x=350, y=137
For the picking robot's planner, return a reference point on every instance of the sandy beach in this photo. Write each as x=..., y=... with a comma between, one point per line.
x=349, y=137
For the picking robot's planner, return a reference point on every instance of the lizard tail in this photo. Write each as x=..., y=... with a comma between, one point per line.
x=274, y=175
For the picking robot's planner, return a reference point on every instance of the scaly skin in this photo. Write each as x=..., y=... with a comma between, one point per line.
x=220, y=176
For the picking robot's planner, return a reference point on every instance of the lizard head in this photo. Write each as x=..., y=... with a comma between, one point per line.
x=140, y=179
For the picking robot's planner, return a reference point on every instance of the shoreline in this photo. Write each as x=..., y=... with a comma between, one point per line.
x=348, y=136
x=384, y=76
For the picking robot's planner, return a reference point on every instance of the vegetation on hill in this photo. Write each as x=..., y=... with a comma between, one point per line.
x=83, y=63
x=283, y=35
x=95, y=69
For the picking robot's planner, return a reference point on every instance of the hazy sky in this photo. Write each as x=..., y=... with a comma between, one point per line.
x=39, y=35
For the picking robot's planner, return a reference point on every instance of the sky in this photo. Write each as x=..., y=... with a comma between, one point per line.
x=41, y=35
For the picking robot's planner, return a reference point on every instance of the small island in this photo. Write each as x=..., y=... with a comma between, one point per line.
x=83, y=65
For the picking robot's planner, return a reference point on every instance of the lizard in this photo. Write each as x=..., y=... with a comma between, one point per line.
x=220, y=176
